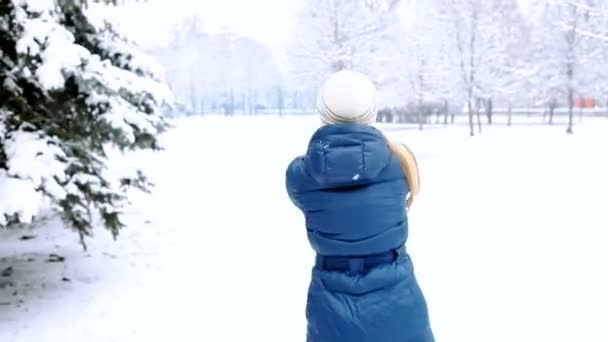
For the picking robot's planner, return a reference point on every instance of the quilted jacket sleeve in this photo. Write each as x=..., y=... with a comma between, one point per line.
x=294, y=179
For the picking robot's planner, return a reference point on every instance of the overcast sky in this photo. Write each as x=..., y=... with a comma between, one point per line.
x=268, y=21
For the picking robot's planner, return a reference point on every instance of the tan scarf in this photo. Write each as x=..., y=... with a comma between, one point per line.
x=409, y=165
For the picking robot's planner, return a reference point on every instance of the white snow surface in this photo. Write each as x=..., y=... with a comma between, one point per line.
x=508, y=239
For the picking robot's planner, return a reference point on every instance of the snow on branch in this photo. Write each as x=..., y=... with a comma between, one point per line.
x=590, y=9
x=34, y=163
x=588, y=34
x=74, y=92
x=567, y=28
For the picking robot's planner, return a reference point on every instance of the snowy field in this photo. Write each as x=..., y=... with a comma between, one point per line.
x=509, y=240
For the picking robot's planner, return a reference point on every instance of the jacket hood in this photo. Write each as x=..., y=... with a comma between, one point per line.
x=346, y=155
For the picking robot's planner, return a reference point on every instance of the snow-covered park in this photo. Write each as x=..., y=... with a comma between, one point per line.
x=503, y=102
x=508, y=238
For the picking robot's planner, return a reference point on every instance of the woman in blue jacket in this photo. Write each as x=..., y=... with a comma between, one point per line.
x=352, y=186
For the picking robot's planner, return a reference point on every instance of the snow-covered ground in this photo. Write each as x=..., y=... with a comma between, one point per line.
x=508, y=238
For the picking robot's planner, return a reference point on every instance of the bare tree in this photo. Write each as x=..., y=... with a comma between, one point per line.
x=463, y=20
x=331, y=35
x=567, y=67
x=422, y=61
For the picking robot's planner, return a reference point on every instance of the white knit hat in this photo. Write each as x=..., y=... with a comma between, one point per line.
x=347, y=97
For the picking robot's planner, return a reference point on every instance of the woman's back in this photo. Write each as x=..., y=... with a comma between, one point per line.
x=351, y=190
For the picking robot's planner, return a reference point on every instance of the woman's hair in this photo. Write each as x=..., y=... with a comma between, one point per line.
x=409, y=166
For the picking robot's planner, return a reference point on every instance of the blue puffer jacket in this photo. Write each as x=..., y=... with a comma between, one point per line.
x=352, y=192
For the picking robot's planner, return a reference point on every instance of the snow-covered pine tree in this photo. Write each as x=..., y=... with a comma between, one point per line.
x=70, y=92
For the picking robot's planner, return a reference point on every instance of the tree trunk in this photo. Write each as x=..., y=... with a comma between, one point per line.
x=570, y=110
x=552, y=106
x=489, y=109
x=478, y=114
x=295, y=101
x=446, y=109
x=231, y=103
x=280, y=100
x=193, y=106
x=420, y=114
x=571, y=39
x=192, y=97
x=472, y=69
x=244, y=100
x=471, y=124
x=509, y=113
x=255, y=102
